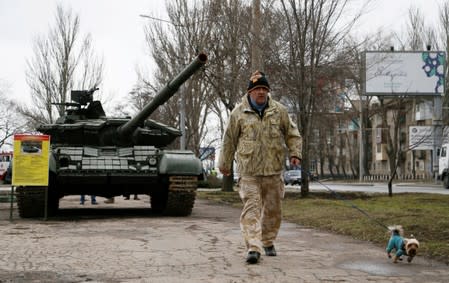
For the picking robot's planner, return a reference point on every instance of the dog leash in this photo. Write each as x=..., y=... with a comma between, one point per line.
x=338, y=196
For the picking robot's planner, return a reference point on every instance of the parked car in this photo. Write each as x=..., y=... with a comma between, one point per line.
x=292, y=177
x=236, y=177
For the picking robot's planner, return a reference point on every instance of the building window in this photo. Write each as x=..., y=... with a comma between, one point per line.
x=379, y=148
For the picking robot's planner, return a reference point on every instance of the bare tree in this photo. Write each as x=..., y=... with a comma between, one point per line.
x=11, y=122
x=314, y=30
x=172, y=46
x=416, y=30
x=229, y=69
x=62, y=60
x=393, y=121
x=419, y=35
x=350, y=73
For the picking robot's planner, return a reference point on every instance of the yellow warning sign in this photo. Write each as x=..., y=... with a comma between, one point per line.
x=30, y=165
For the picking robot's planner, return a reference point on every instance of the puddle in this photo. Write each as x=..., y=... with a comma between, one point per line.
x=375, y=268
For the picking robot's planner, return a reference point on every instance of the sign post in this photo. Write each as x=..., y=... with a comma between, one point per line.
x=31, y=162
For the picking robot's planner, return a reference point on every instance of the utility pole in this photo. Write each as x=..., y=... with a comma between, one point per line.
x=437, y=123
x=256, y=28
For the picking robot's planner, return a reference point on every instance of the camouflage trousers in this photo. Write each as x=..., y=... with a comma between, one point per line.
x=261, y=215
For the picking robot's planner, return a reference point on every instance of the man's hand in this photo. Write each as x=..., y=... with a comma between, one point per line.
x=224, y=171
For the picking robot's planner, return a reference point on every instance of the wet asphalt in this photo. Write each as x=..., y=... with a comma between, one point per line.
x=126, y=242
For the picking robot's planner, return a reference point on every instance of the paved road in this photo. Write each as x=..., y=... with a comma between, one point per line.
x=124, y=242
x=431, y=188
x=375, y=187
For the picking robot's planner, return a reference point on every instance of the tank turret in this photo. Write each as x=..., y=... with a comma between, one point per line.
x=92, y=154
x=85, y=122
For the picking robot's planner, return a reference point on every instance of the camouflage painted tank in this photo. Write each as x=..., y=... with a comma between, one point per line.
x=93, y=154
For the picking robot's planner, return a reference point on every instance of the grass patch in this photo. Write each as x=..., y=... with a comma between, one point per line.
x=426, y=216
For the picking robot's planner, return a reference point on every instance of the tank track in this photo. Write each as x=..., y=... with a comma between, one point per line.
x=181, y=195
x=30, y=201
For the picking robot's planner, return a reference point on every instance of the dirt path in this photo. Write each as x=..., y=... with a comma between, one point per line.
x=124, y=242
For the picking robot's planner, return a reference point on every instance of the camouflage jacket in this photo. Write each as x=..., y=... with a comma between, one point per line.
x=259, y=144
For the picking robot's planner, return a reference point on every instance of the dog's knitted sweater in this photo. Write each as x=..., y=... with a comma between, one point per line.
x=396, y=243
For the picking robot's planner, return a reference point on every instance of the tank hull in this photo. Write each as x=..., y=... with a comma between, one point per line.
x=114, y=171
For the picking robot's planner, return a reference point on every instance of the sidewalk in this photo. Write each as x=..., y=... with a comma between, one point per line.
x=113, y=243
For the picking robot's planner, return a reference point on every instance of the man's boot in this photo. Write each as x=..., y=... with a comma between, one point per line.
x=252, y=257
x=270, y=251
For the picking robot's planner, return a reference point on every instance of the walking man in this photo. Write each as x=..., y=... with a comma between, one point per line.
x=258, y=133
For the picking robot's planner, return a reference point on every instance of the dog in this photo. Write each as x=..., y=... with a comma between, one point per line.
x=401, y=245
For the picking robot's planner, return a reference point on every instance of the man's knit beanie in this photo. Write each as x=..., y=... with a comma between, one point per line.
x=256, y=80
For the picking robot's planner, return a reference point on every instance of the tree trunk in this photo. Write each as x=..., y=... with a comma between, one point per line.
x=390, y=187
x=228, y=183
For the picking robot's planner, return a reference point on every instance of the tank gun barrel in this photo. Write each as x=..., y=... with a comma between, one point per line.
x=163, y=95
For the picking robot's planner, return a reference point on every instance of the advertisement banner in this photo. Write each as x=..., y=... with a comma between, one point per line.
x=31, y=156
x=421, y=137
x=405, y=73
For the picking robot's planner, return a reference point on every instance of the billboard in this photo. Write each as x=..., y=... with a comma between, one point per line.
x=404, y=73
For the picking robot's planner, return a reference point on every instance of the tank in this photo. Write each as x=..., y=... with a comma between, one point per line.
x=92, y=154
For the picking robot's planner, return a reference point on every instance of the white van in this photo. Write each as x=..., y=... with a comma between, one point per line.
x=443, y=165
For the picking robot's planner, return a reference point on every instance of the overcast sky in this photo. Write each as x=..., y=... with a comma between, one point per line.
x=117, y=32
x=115, y=26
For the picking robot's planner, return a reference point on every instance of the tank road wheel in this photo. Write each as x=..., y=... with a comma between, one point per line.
x=181, y=195
x=31, y=201
x=446, y=181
